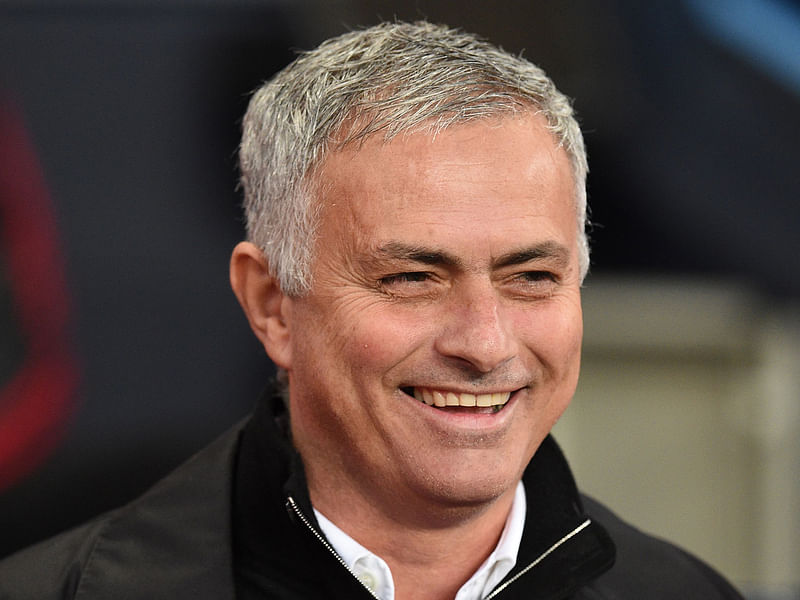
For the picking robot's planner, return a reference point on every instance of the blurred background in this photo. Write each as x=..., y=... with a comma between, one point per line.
x=122, y=350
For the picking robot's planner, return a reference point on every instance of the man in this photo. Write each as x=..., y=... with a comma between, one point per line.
x=416, y=221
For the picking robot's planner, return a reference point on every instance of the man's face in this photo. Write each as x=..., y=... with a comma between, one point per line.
x=445, y=272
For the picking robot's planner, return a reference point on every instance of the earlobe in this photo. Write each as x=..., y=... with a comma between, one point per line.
x=267, y=308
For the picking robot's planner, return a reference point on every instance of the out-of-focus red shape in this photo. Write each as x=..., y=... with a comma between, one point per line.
x=36, y=403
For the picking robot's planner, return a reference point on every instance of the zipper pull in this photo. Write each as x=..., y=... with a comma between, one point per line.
x=291, y=509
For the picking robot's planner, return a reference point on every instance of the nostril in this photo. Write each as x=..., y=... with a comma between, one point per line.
x=479, y=355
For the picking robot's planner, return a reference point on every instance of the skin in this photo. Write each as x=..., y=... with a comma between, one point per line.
x=447, y=263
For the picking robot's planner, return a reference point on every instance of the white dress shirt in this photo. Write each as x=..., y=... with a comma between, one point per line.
x=374, y=573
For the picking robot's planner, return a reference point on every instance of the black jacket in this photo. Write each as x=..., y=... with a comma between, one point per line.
x=235, y=521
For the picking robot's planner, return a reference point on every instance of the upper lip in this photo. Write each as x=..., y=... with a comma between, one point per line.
x=460, y=390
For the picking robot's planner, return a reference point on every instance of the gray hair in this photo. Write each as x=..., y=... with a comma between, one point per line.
x=390, y=78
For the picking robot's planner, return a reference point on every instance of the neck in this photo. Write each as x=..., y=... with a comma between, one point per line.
x=431, y=550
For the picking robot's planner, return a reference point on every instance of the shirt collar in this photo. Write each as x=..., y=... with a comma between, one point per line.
x=374, y=573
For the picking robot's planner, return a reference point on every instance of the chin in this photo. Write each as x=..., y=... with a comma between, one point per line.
x=470, y=489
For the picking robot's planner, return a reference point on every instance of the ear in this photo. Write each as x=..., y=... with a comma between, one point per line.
x=267, y=308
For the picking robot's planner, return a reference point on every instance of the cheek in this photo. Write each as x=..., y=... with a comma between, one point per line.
x=382, y=339
x=553, y=334
x=367, y=339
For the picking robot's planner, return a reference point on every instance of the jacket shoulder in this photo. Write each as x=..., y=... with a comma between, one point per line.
x=648, y=567
x=172, y=542
x=51, y=569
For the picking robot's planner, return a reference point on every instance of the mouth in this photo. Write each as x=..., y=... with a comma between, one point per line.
x=444, y=399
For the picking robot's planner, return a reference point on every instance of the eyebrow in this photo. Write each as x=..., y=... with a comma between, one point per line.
x=421, y=254
x=546, y=250
x=431, y=256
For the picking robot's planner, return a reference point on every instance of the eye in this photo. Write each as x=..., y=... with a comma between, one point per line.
x=410, y=284
x=533, y=284
x=538, y=276
x=403, y=278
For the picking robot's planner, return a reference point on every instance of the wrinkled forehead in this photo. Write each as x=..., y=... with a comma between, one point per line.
x=469, y=176
x=356, y=138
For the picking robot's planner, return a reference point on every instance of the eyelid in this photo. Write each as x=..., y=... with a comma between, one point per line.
x=531, y=272
x=533, y=279
x=409, y=285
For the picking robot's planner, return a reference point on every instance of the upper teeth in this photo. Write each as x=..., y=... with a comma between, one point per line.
x=442, y=398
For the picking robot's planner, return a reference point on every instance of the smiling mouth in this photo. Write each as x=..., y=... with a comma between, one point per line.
x=446, y=399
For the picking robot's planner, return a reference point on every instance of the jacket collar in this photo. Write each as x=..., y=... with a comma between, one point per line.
x=562, y=549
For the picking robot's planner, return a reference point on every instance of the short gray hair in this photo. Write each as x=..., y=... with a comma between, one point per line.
x=390, y=78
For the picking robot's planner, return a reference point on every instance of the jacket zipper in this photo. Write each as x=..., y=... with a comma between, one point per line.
x=292, y=505
x=541, y=557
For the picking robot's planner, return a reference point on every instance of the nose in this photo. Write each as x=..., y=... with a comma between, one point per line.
x=476, y=329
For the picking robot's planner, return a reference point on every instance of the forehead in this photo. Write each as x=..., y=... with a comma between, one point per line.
x=491, y=176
